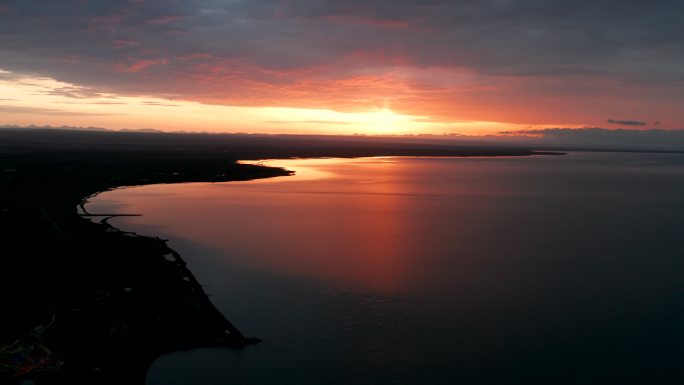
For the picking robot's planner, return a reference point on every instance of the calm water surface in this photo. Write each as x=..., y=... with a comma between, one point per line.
x=535, y=270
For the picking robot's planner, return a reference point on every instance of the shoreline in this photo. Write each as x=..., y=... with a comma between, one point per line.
x=118, y=300
x=136, y=301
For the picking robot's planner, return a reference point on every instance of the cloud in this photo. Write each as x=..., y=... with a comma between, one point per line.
x=94, y=102
x=75, y=92
x=322, y=122
x=347, y=54
x=152, y=103
x=604, y=138
x=33, y=126
x=154, y=130
x=626, y=122
x=7, y=109
x=8, y=76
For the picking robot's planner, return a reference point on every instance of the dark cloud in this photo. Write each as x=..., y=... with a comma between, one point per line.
x=106, y=102
x=626, y=122
x=8, y=76
x=45, y=111
x=78, y=128
x=226, y=51
x=604, y=138
x=76, y=92
x=141, y=130
x=323, y=122
x=72, y=128
x=151, y=103
x=93, y=102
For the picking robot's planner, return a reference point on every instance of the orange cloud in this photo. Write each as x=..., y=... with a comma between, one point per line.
x=139, y=65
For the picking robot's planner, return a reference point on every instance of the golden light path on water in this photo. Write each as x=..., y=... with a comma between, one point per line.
x=495, y=259
x=311, y=169
x=372, y=229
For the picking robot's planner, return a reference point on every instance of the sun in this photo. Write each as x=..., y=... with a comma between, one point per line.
x=383, y=121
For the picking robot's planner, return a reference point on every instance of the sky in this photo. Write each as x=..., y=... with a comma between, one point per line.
x=471, y=67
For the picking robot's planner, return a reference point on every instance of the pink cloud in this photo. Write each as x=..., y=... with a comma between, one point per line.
x=382, y=57
x=139, y=65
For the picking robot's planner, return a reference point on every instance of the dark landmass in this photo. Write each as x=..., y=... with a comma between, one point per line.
x=83, y=303
x=591, y=139
x=246, y=146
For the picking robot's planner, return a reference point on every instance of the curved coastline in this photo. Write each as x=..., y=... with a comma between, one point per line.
x=119, y=300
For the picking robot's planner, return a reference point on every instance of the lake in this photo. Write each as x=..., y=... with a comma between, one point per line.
x=514, y=270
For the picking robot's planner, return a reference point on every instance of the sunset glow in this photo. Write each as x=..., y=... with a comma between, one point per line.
x=295, y=67
x=373, y=191
x=46, y=101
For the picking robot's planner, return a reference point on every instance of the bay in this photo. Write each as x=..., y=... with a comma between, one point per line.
x=522, y=270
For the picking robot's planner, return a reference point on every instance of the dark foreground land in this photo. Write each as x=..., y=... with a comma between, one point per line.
x=81, y=302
